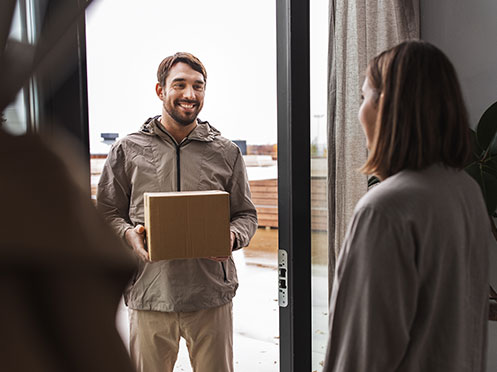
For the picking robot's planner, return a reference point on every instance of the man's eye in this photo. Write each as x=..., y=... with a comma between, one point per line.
x=198, y=87
x=179, y=86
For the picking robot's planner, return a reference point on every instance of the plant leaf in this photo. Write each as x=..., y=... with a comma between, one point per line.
x=372, y=181
x=489, y=169
x=488, y=184
x=487, y=129
x=476, y=150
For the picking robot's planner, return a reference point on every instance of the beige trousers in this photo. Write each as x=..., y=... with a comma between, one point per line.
x=154, y=339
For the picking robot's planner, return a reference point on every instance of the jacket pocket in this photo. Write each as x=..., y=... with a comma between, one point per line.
x=224, y=272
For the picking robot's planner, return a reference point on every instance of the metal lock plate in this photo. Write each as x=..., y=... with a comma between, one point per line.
x=282, y=278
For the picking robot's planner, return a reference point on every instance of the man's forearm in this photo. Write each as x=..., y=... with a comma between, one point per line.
x=118, y=223
x=244, y=227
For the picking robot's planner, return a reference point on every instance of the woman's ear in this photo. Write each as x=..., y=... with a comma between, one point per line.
x=379, y=97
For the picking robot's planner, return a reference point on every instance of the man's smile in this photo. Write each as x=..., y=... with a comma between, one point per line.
x=187, y=105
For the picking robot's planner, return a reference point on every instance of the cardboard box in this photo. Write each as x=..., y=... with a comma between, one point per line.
x=187, y=224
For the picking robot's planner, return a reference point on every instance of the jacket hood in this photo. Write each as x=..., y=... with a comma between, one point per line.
x=203, y=131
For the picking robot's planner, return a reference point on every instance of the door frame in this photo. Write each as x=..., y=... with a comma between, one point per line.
x=67, y=105
x=294, y=176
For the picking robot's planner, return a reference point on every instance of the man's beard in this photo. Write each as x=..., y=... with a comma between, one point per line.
x=182, y=120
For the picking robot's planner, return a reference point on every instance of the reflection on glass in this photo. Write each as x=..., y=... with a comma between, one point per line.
x=21, y=115
x=16, y=31
x=15, y=116
x=319, y=174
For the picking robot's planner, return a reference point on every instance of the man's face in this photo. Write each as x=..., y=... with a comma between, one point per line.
x=183, y=93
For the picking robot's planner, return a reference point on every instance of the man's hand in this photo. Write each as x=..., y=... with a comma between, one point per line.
x=136, y=238
x=225, y=258
x=232, y=239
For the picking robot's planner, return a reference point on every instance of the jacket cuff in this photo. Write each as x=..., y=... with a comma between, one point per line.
x=236, y=243
x=121, y=232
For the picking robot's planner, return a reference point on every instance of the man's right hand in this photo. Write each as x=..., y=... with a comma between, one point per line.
x=136, y=238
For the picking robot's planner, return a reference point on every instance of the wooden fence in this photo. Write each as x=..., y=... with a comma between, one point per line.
x=265, y=198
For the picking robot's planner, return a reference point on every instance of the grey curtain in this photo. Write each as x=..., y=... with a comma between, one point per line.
x=359, y=29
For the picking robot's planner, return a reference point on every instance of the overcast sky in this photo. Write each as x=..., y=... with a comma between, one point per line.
x=235, y=40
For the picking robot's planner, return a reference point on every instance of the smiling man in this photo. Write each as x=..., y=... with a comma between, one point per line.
x=176, y=151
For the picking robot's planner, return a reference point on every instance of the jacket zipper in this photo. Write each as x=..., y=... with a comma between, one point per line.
x=178, y=147
x=224, y=272
x=178, y=166
x=178, y=171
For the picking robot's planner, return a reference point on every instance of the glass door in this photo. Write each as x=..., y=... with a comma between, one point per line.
x=236, y=41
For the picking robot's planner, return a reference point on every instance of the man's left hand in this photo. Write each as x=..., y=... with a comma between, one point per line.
x=225, y=258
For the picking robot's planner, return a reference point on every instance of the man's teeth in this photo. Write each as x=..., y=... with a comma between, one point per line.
x=187, y=105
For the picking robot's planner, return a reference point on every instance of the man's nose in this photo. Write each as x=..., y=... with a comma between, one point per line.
x=189, y=92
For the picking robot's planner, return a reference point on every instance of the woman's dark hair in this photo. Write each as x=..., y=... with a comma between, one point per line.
x=421, y=118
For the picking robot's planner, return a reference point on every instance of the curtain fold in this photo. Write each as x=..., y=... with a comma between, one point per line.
x=359, y=29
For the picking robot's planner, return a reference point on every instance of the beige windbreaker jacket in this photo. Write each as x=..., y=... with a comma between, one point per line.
x=152, y=161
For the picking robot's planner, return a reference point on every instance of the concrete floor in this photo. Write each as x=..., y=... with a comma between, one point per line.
x=256, y=311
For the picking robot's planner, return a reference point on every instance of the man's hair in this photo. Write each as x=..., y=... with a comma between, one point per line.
x=168, y=62
x=421, y=118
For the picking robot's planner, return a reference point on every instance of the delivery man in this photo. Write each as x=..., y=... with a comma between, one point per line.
x=189, y=298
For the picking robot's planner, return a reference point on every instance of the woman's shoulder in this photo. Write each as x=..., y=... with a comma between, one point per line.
x=388, y=193
x=420, y=190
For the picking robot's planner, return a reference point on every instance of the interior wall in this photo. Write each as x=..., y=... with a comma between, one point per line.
x=467, y=32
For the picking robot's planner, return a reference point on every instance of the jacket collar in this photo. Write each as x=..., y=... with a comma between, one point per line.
x=203, y=132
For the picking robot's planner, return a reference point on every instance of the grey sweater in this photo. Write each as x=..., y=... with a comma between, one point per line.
x=411, y=286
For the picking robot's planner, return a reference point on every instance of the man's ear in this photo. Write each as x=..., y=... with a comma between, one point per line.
x=159, y=90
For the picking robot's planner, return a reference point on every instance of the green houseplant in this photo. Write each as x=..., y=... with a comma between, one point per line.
x=483, y=168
